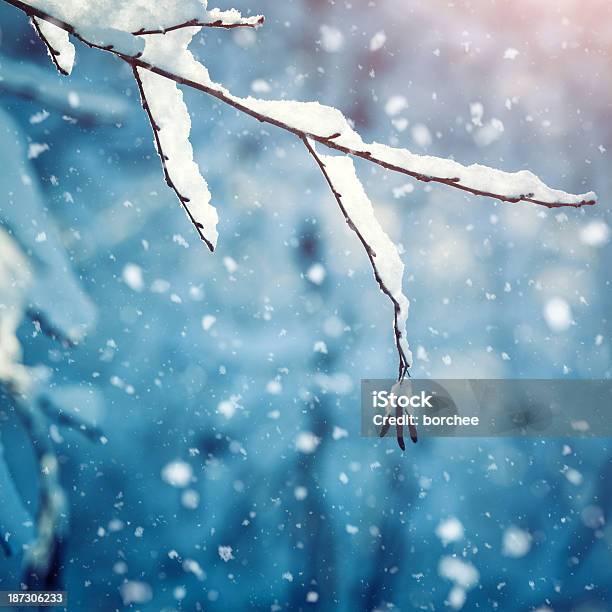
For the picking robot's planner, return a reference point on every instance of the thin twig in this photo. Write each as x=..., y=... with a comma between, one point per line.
x=249, y=22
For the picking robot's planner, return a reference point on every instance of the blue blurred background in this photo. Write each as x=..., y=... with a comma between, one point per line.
x=224, y=467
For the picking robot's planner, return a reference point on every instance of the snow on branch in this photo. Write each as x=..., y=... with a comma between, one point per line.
x=227, y=20
x=153, y=38
x=339, y=172
x=60, y=49
x=163, y=102
x=324, y=124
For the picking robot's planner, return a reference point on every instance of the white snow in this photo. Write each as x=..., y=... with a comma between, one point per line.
x=378, y=41
x=228, y=407
x=450, y=530
x=395, y=105
x=191, y=566
x=190, y=499
x=230, y=264
x=558, y=314
x=130, y=16
x=574, y=477
x=133, y=591
x=225, y=553
x=595, y=233
x=306, y=442
x=36, y=149
x=132, y=277
x=339, y=433
x=421, y=135
x=462, y=573
x=170, y=113
x=274, y=387
x=316, y=274
x=320, y=347
x=516, y=542
x=177, y=473
x=332, y=39
x=457, y=597
x=58, y=44
x=208, y=321
x=476, y=112
x=404, y=190
x=260, y=86
x=300, y=493
x=510, y=53
x=231, y=16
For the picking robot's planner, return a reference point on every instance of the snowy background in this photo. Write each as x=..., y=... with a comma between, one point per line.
x=226, y=385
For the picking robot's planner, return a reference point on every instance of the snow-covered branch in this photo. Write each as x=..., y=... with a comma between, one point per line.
x=323, y=124
x=154, y=38
x=169, y=118
x=61, y=50
x=227, y=20
x=339, y=172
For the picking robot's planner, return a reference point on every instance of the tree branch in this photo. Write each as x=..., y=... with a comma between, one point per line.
x=400, y=303
x=397, y=160
x=185, y=201
x=51, y=513
x=404, y=358
x=245, y=22
x=53, y=52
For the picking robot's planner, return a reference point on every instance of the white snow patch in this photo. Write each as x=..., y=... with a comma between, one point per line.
x=58, y=44
x=339, y=433
x=225, y=553
x=595, y=233
x=558, y=314
x=516, y=542
x=177, y=473
x=260, y=86
x=132, y=277
x=421, y=135
x=450, y=530
x=230, y=264
x=462, y=573
x=378, y=41
x=306, y=442
x=300, y=493
x=36, y=149
x=320, y=347
x=274, y=387
x=316, y=274
x=510, y=53
x=574, y=477
x=403, y=190
x=332, y=39
x=395, y=105
x=133, y=591
x=208, y=321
